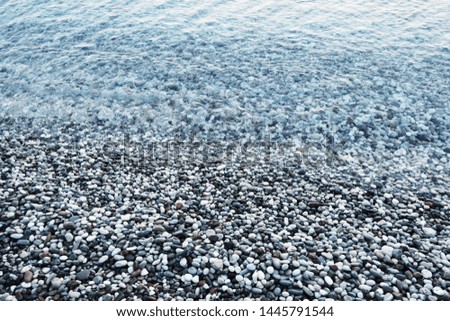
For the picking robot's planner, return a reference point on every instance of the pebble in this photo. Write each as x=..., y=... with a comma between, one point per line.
x=74, y=294
x=260, y=275
x=69, y=226
x=276, y=263
x=217, y=263
x=388, y=297
x=387, y=250
x=429, y=232
x=103, y=259
x=69, y=237
x=328, y=280
x=23, y=242
x=121, y=263
x=446, y=275
x=83, y=275
x=285, y=282
x=27, y=276
x=365, y=288
x=251, y=267
x=188, y=277
x=56, y=283
x=426, y=274
x=438, y=291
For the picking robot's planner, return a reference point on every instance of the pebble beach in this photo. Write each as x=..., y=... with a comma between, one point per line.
x=277, y=154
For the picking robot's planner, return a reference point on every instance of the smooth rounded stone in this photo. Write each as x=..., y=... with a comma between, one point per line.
x=83, y=275
x=328, y=280
x=103, y=231
x=277, y=291
x=257, y=291
x=270, y=270
x=251, y=267
x=397, y=253
x=74, y=294
x=17, y=236
x=115, y=252
x=428, y=285
x=307, y=291
x=217, y=264
x=234, y=258
x=323, y=292
x=23, y=242
x=192, y=270
x=169, y=274
x=304, y=263
x=56, y=282
x=285, y=267
x=260, y=275
x=426, y=274
x=69, y=225
x=97, y=279
x=183, y=262
x=368, y=237
x=446, y=275
x=365, y=288
x=387, y=250
x=239, y=278
x=69, y=237
x=296, y=272
x=295, y=292
x=388, y=297
x=276, y=263
x=187, y=277
x=438, y=291
x=103, y=259
x=121, y=264
x=158, y=229
x=429, y=232
x=285, y=282
x=27, y=276
x=179, y=204
x=144, y=272
x=425, y=291
x=91, y=238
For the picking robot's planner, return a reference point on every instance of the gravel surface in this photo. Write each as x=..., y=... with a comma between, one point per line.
x=79, y=222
